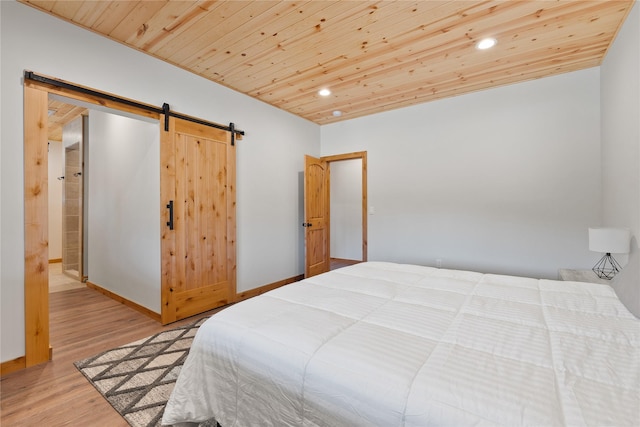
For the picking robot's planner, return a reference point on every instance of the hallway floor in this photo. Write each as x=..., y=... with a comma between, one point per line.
x=58, y=281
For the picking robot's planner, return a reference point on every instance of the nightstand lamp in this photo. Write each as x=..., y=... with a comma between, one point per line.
x=609, y=240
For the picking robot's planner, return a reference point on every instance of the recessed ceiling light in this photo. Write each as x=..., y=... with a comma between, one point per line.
x=337, y=113
x=324, y=92
x=486, y=43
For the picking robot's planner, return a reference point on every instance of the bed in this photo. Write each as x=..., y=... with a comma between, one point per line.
x=390, y=344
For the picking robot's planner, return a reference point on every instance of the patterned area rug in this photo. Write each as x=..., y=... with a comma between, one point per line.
x=137, y=378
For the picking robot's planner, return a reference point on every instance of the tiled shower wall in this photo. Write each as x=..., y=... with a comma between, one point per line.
x=71, y=210
x=72, y=195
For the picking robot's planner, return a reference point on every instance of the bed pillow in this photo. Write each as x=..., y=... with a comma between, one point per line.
x=627, y=282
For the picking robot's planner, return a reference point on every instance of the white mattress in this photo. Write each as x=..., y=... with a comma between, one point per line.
x=402, y=345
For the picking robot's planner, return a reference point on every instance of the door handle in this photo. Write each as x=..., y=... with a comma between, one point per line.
x=306, y=224
x=170, y=207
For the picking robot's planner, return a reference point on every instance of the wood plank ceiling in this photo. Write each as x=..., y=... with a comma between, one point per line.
x=60, y=114
x=373, y=55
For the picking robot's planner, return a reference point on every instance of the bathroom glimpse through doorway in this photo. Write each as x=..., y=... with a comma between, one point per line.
x=74, y=199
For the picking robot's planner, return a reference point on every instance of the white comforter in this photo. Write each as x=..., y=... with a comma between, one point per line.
x=402, y=345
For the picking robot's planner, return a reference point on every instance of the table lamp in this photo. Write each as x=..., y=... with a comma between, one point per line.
x=609, y=240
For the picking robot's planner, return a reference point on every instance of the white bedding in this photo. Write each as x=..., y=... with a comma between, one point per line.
x=402, y=345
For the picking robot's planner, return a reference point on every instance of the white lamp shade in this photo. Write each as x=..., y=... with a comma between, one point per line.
x=610, y=240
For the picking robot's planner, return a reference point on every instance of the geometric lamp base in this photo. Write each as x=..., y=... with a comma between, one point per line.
x=607, y=267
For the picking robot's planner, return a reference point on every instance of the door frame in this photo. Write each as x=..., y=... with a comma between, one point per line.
x=352, y=156
x=36, y=215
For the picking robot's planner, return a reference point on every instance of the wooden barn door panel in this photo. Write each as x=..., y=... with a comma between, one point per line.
x=36, y=227
x=198, y=175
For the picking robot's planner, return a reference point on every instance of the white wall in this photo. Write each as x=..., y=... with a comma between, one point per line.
x=505, y=180
x=346, y=209
x=620, y=92
x=72, y=132
x=270, y=158
x=56, y=170
x=124, y=203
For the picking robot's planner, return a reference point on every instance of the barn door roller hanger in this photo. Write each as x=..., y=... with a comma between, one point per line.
x=30, y=75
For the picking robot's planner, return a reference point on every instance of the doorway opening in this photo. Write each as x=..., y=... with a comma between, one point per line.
x=345, y=215
x=66, y=133
x=36, y=278
x=124, y=203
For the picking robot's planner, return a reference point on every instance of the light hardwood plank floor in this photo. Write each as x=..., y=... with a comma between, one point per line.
x=336, y=263
x=83, y=322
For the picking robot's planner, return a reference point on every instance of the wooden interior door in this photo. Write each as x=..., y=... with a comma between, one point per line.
x=316, y=214
x=198, y=239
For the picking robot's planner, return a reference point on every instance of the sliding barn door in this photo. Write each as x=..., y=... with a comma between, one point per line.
x=198, y=238
x=316, y=214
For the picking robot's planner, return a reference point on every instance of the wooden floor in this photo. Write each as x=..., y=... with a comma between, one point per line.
x=83, y=322
x=339, y=263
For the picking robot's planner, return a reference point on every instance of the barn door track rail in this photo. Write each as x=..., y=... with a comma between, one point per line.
x=165, y=109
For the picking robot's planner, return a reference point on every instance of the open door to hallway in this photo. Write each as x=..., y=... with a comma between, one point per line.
x=317, y=210
x=316, y=216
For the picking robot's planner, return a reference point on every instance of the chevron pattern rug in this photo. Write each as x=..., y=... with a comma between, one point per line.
x=137, y=378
